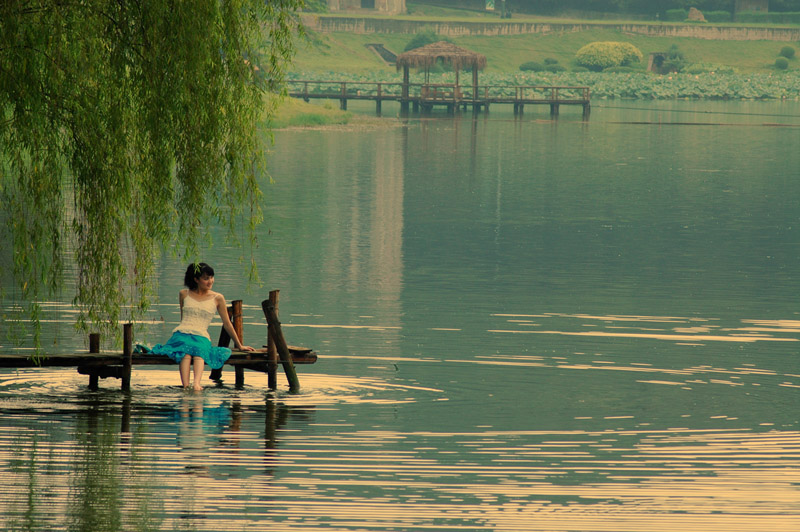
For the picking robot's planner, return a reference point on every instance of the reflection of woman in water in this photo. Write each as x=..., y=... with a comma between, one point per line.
x=190, y=344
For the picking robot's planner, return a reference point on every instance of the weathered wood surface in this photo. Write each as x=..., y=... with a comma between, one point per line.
x=99, y=365
x=300, y=355
x=426, y=95
x=276, y=334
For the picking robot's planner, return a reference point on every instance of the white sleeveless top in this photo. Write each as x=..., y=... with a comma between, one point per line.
x=197, y=315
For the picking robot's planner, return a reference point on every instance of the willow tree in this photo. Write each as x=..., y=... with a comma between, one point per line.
x=126, y=128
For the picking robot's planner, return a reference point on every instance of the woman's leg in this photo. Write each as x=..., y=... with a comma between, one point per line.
x=186, y=363
x=199, y=365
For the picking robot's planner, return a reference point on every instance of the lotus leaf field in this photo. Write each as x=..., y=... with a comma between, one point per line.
x=603, y=85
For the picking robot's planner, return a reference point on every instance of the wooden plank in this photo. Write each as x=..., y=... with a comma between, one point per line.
x=300, y=355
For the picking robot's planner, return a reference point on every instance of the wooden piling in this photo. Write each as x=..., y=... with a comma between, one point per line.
x=276, y=334
x=94, y=347
x=224, y=341
x=237, y=321
x=127, y=354
x=272, y=351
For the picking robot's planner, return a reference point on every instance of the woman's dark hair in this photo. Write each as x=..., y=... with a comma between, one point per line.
x=195, y=270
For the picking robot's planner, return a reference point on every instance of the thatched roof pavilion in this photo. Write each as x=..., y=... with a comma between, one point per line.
x=427, y=56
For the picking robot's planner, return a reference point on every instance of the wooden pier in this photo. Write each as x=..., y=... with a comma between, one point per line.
x=100, y=365
x=423, y=97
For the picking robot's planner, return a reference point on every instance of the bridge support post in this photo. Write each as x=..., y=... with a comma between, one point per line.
x=554, y=110
x=587, y=110
x=127, y=354
x=94, y=347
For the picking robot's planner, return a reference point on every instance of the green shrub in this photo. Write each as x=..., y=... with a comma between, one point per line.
x=579, y=68
x=675, y=60
x=781, y=63
x=675, y=15
x=787, y=52
x=423, y=37
x=531, y=66
x=718, y=16
x=702, y=68
x=550, y=61
x=621, y=69
x=761, y=17
x=601, y=55
x=554, y=68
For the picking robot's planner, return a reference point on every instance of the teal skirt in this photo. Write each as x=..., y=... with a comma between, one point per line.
x=181, y=344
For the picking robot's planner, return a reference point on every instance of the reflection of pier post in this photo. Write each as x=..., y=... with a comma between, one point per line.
x=125, y=426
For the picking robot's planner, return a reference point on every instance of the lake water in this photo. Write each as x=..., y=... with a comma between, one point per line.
x=523, y=325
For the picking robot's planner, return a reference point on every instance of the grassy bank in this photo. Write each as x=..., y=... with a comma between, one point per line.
x=297, y=113
x=345, y=52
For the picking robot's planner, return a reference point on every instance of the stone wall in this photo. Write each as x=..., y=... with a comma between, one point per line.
x=384, y=7
x=330, y=24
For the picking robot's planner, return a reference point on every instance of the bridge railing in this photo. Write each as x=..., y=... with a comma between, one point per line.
x=433, y=92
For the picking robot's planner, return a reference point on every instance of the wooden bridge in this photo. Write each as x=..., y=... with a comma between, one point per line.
x=425, y=96
x=99, y=365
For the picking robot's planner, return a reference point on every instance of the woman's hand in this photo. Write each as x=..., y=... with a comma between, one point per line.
x=245, y=348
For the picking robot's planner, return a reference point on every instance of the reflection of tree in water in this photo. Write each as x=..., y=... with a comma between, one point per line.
x=104, y=476
x=123, y=480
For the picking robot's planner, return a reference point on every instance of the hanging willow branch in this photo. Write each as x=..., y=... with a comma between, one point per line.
x=127, y=127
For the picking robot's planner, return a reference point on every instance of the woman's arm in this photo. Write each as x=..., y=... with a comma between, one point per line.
x=181, y=297
x=222, y=309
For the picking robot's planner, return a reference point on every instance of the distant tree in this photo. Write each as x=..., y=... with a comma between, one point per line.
x=675, y=61
x=424, y=37
x=784, y=5
x=126, y=128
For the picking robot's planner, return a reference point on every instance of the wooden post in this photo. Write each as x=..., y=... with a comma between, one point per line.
x=475, y=107
x=276, y=334
x=404, y=93
x=237, y=320
x=343, y=98
x=378, y=101
x=224, y=341
x=94, y=347
x=272, y=351
x=127, y=354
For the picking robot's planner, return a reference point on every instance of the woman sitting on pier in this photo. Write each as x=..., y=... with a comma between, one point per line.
x=190, y=344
